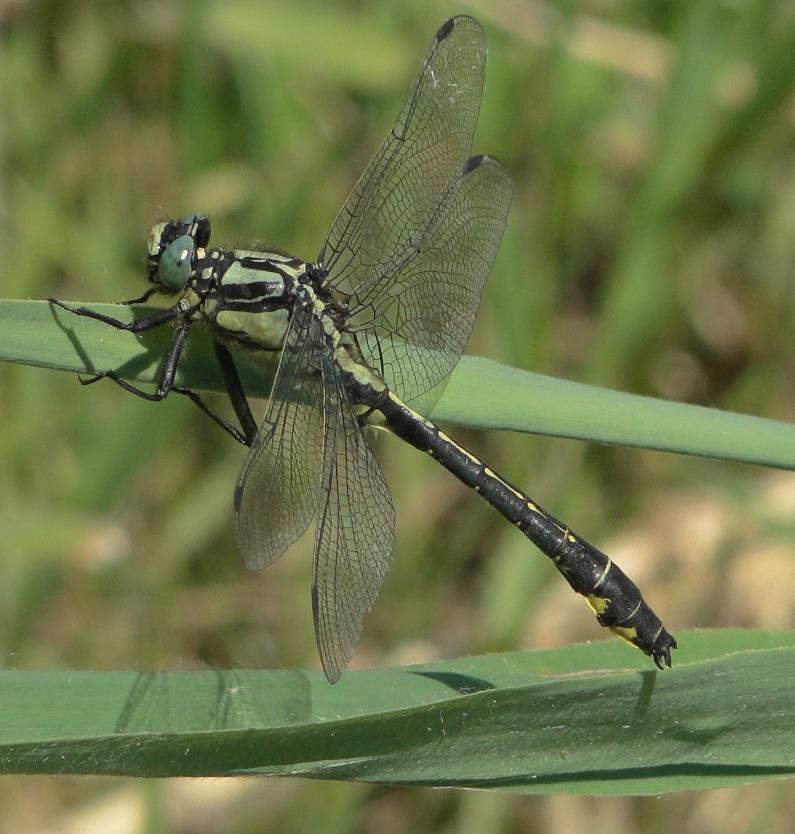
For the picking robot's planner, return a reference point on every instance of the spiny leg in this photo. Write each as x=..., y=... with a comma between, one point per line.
x=142, y=299
x=216, y=418
x=168, y=371
x=156, y=319
x=236, y=434
x=165, y=383
x=237, y=397
x=166, y=375
x=236, y=394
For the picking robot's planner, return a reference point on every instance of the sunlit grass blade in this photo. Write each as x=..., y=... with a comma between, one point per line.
x=480, y=393
x=585, y=719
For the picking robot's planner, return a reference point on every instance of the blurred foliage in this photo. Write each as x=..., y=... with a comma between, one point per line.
x=651, y=247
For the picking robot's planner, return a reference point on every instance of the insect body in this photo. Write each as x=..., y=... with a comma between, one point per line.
x=367, y=332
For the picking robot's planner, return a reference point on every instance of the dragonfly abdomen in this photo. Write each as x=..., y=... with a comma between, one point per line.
x=613, y=597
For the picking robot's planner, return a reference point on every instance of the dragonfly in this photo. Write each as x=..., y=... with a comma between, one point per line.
x=369, y=332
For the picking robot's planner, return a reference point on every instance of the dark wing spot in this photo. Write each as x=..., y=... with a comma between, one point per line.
x=473, y=162
x=445, y=29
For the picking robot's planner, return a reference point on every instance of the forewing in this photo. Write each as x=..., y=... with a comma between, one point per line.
x=355, y=532
x=427, y=146
x=414, y=314
x=278, y=491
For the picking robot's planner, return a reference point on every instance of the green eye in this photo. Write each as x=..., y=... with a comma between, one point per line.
x=175, y=263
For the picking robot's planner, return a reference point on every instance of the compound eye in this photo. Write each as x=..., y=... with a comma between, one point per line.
x=174, y=266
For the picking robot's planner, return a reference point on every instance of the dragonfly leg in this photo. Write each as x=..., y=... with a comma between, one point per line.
x=156, y=319
x=166, y=376
x=165, y=383
x=236, y=394
x=216, y=418
x=237, y=397
x=161, y=394
x=142, y=299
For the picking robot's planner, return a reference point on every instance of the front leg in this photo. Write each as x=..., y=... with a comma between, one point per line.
x=156, y=319
x=142, y=299
x=168, y=370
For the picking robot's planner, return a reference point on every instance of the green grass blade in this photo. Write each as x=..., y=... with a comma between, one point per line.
x=485, y=394
x=540, y=722
x=480, y=393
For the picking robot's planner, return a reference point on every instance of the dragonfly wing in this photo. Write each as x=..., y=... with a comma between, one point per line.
x=278, y=491
x=415, y=313
x=355, y=531
x=426, y=147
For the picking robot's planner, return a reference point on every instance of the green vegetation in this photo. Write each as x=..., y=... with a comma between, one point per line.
x=651, y=248
x=494, y=721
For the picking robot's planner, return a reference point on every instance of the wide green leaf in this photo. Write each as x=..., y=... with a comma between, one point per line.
x=584, y=719
x=480, y=393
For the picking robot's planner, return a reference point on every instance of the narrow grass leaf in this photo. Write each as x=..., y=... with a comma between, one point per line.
x=481, y=393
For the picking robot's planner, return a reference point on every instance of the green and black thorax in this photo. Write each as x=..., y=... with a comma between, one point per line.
x=249, y=297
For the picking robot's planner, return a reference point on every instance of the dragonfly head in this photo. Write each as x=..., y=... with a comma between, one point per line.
x=172, y=250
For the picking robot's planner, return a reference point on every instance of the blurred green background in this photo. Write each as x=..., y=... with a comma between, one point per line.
x=651, y=248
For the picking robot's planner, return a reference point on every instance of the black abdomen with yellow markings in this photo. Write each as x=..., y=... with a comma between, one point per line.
x=613, y=596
